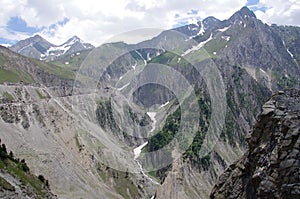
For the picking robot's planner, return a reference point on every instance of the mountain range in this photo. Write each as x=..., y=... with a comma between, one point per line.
x=105, y=122
x=39, y=48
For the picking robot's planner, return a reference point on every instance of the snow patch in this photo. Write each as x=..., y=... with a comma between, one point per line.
x=194, y=48
x=62, y=49
x=291, y=54
x=227, y=38
x=144, y=174
x=152, y=117
x=137, y=52
x=202, y=31
x=165, y=104
x=119, y=89
x=287, y=49
x=194, y=21
x=137, y=151
x=148, y=57
x=223, y=29
x=179, y=59
x=134, y=66
x=262, y=71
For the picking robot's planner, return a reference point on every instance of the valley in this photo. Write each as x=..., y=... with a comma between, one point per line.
x=163, y=118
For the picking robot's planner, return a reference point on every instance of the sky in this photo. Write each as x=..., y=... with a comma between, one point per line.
x=97, y=21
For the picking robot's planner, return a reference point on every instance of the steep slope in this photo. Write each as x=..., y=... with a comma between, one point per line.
x=38, y=48
x=16, y=180
x=16, y=68
x=266, y=52
x=66, y=145
x=32, y=47
x=270, y=166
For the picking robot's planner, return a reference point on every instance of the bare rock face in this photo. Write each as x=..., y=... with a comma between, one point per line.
x=270, y=167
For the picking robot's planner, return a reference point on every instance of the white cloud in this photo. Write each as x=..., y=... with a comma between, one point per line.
x=96, y=21
x=282, y=12
x=12, y=35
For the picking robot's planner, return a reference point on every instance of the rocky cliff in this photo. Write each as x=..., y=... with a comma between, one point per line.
x=270, y=166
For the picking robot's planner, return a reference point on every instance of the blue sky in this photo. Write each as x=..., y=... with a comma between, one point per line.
x=58, y=20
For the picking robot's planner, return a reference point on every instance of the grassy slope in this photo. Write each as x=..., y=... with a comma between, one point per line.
x=19, y=170
x=13, y=69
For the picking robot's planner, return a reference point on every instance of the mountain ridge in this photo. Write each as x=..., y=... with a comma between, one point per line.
x=269, y=167
x=39, y=48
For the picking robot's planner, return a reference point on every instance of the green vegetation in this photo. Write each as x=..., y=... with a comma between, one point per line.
x=63, y=72
x=79, y=146
x=8, y=96
x=229, y=130
x=171, y=59
x=283, y=81
x=192, y=153
x=122, y=181
x=153, y=174
x=3, y=58
x=6, y=185
x=215, y=45
x=164, y=58
x=40, y=94
x=160, y=174
x=74, y=60
x=171, y=127
x=105, y=116
x=13, y=76
x=167, y=134
x=237, y=75
x=8, y=76
x=19, y=169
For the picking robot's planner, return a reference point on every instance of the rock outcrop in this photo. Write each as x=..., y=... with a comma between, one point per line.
x=270, y=166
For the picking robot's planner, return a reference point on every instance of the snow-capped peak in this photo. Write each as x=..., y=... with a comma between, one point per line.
x=72, y=41
x=73, y=45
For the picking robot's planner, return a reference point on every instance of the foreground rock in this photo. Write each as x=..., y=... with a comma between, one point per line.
x=270, y=167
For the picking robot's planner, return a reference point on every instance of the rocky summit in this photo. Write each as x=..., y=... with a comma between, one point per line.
x=270, y=166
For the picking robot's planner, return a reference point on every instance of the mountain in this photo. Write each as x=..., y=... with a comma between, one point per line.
x=32, y=47
x=38, y=48
x=108, y=124
x=269, y=167
x=16, y=68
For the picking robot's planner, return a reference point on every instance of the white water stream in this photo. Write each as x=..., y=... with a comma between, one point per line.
x=152, y=116
x=137, y=151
